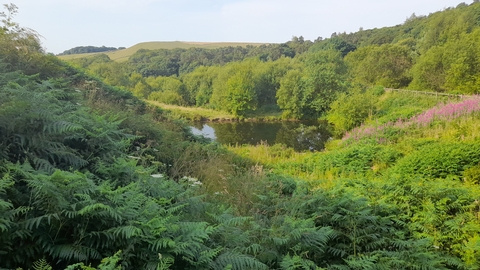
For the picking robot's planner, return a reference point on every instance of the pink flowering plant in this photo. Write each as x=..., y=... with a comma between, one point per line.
x=444, y=112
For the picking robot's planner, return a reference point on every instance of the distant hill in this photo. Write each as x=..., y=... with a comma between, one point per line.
x=89, y=49
x=123, y=54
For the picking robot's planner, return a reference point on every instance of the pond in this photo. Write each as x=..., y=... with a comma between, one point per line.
x=305, y=135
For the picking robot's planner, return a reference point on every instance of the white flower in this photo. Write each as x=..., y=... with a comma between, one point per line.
x=158, y=175
x=189, y=179
x=196, y=183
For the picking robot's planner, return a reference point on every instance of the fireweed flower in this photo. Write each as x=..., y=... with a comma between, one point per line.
x=447, y=112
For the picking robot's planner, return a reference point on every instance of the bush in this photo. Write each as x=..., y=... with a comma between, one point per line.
x=168, y=97
x=350, y=110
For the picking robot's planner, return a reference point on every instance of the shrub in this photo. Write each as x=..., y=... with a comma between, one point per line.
x=350, y=110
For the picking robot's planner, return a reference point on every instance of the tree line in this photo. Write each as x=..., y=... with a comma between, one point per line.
x=89, y=49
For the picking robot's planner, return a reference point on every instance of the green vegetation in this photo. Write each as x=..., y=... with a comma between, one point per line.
x=301, y=78
x=195, y=114
x=89, y=49
x=93, y=177
x=124, y=53
x=422, y=167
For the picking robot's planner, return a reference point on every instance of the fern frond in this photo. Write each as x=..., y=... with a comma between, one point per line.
x=125, y=232
x=74, y=252
x=43, y=165
x=41, y=265
x=100, y=209
x=69, y=158
x=35, y=222
x=162, y=243
x=237, y=262
x=60, y=127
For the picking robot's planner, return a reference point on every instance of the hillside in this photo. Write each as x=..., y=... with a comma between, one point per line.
x=93, y=177
x=122, y=55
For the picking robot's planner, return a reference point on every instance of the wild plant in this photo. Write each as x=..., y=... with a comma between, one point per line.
x=444, y=112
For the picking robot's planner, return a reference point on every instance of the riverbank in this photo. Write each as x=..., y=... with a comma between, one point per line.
x=197, y=114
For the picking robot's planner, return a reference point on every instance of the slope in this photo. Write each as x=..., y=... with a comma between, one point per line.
x=122, y=55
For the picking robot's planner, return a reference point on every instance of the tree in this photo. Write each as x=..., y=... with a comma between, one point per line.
x=334, y=43
x=387, y=65
x=111, y=72
x=234, y=88
x=141, y=89
x=20, y=47
x=326, y=77
x=463, y=59
x=429, y=71
x=307, y=93
x=290, y=94
x=241, y=96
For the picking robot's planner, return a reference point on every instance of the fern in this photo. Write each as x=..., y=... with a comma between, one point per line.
x=41, y=265
x=297, y=262
x=237, y=261
x=60, y=127
x=73, y=252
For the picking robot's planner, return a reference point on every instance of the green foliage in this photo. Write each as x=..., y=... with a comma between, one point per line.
x=445, y=160
x=167, y=90
x=334, y=43
x=350, y=110
x=386, y=65
x=87, y=49
x=429, y=71
x=403, y=105
x=472, y=174
x=87, y=170
x=234, y=89
x=240, y=95
x=309, y=93
x=289, y=95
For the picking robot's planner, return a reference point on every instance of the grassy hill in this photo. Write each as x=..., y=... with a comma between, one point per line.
x=122, y=55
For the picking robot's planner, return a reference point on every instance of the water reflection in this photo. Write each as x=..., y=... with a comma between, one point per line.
x=298, y=135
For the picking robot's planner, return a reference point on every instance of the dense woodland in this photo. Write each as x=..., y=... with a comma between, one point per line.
x=92, y=177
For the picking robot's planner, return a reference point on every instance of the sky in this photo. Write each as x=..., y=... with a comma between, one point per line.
x=64, y=24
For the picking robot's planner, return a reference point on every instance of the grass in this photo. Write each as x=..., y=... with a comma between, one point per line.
x=195, y=113
x=206, y=115
x=123, y=55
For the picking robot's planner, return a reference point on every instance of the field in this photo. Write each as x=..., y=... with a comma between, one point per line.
x=122, y=55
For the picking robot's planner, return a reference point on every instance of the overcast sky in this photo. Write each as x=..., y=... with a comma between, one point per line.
x=65, y=24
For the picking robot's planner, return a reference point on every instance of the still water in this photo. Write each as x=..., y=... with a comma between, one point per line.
x=301, y=136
